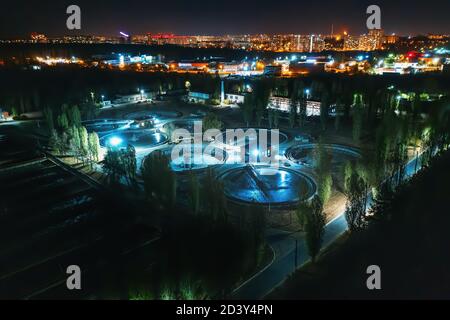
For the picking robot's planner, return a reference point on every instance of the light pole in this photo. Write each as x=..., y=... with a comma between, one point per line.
x=307, y=91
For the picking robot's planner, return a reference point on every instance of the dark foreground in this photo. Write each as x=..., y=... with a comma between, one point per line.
x=410, y=245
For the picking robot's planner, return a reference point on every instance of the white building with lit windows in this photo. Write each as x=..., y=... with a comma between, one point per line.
x=284, y=105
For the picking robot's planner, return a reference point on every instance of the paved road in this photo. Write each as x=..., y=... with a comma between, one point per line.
x=284, y=246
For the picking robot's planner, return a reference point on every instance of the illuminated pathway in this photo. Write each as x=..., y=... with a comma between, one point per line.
x=283, y=244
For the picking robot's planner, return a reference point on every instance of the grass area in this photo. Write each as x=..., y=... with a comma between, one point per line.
x=410, y=244
x=267, y=258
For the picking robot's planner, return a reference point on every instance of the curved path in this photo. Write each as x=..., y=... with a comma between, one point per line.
x=284, y=246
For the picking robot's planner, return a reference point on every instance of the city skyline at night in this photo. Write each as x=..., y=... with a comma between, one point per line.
x=224, y=17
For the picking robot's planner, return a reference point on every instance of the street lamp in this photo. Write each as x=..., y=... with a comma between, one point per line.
x=115, y=141
x=307, y=91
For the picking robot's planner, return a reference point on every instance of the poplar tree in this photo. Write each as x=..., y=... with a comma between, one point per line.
x=315, y=228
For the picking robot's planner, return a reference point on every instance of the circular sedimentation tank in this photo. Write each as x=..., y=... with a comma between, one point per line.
x=102, y=126
x=265, y=185
x=187, y=124
x=304, y=154
x=138, y=138
x=152, y=114
x=182, y=162
x=252, y=136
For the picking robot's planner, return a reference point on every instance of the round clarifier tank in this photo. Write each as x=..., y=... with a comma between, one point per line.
x=103, y=126
x=187, y=124
x=305, y=154
x=198, y=160
x=137, y=138
x=251, y=136
x=153, y=115
x=265, y=185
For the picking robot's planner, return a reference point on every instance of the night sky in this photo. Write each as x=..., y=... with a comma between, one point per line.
x=215, y=17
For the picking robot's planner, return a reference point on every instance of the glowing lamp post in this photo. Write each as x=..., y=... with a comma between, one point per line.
x=115, y=141
x=307, y=91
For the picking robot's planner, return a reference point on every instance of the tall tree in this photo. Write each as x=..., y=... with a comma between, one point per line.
x=63, y=122
x=54, y=142
x=296, y=96
x=215, y=203
x=302, y=212
x=74, y=116
x=247, y=109
x=325, y=179
x=94, y=146
x=293, y=113
x=75, y=142
x=315, y=228
x=276, y=119
x=212, y=121
x=120, y=163
x=48, y=114
x=112, y=166
x=128, y=159
x=160, y=182
x=84, y=143
x=358, y=109
x=324, y=110
x=303, y=110
x=355, y=211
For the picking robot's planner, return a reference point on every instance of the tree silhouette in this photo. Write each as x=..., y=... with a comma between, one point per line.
x=356, y=202
x=160, y=182
x=315, y=228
